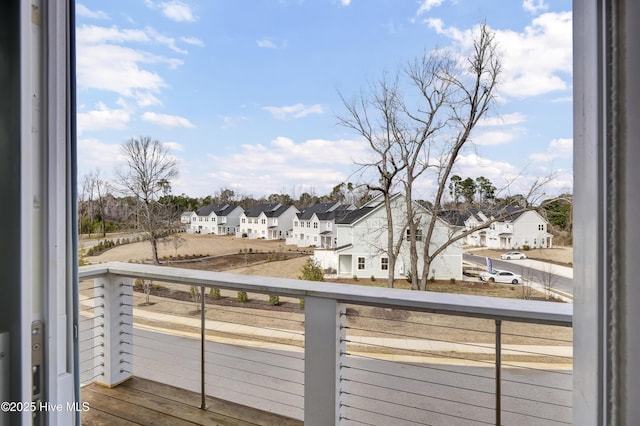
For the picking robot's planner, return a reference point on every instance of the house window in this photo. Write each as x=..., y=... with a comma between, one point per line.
x=384, y=263
x=308, y=224
x=213, y=219
x=418, y=235
x=361, y=263
x=243, y=220
x=540, y=227
x=315, y=225
x=295, y=224
x=263, y=221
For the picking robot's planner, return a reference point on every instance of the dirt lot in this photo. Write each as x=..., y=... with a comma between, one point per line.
x=203, y=245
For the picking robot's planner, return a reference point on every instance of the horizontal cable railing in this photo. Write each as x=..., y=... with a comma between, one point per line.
x=398, y=357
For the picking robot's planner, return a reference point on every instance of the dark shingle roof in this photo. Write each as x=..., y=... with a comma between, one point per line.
x=319, y=208
x=354, y=215
x=325, y=211
x=269, y=210
x=219, y=209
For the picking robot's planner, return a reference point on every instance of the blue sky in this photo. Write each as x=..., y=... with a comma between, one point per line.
x=247, y=93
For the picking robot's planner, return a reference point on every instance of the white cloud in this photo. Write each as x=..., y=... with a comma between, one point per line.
x=264, y=169
x=174, y=9
x=103, y=63
x=84, y=11
x=496, y=137
x=173, y=146
x=503, y=120
x=294, y=111
x=170, y=42
x=102, y=118
x=167, y=120
x=345, y=2
x=145, y=99
x=93, y=153
x=427, y=5
x=194, y=41
x=558, y=149
x=534, y=6
x=524, y=71
x=266, y=44
x=93, y=34
x=229, y=122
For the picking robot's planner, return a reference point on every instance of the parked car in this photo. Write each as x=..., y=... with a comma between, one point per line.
x=513, y=255
x=497, y=276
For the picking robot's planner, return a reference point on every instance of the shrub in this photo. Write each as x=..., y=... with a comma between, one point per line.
x=432, y=279
x=302, y=304
x=453, y=280
x=274, y=300
x=355, y=278
x=243, y=296
x=214, y=293
x=373, y=278
x=409, y=277
x=311, y=271
x=526, y=247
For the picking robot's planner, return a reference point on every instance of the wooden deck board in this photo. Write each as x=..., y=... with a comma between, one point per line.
x=141, y=401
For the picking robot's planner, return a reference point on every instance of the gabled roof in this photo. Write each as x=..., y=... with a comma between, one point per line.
x=308, y=213
x=325, y=211
x=207, y=210
x=185, y=214
x=353, y=215
x=453, y=217
x=258, y=209
x=269, y=210
x=218, y=209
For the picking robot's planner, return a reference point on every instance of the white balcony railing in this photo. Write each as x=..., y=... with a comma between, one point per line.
x=335, y=370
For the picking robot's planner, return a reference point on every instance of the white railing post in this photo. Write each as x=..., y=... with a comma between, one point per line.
x=323, y=352
x=118, y=329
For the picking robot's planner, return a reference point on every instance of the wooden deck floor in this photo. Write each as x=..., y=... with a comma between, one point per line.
x=144, y=402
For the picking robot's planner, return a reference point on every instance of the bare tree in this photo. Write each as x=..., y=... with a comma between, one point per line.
x=86, y=205
x=424, y=131
x=548, y=280
x=374, y=116
x=147, y=177
x=473, y=91
x=99, y=188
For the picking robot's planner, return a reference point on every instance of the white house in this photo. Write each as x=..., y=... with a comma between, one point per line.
x=362, y=243
x=269, y=221
x=186, y=218
x=517, y=230
x=217, y=219
x=315, y=225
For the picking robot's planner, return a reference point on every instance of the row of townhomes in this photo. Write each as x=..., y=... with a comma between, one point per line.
x=352, y=241
x=218, y=219
x=518, y=229
x=361, y=243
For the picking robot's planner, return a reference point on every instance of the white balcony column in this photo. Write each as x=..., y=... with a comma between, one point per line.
x=118, y=329
x=324, y=348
